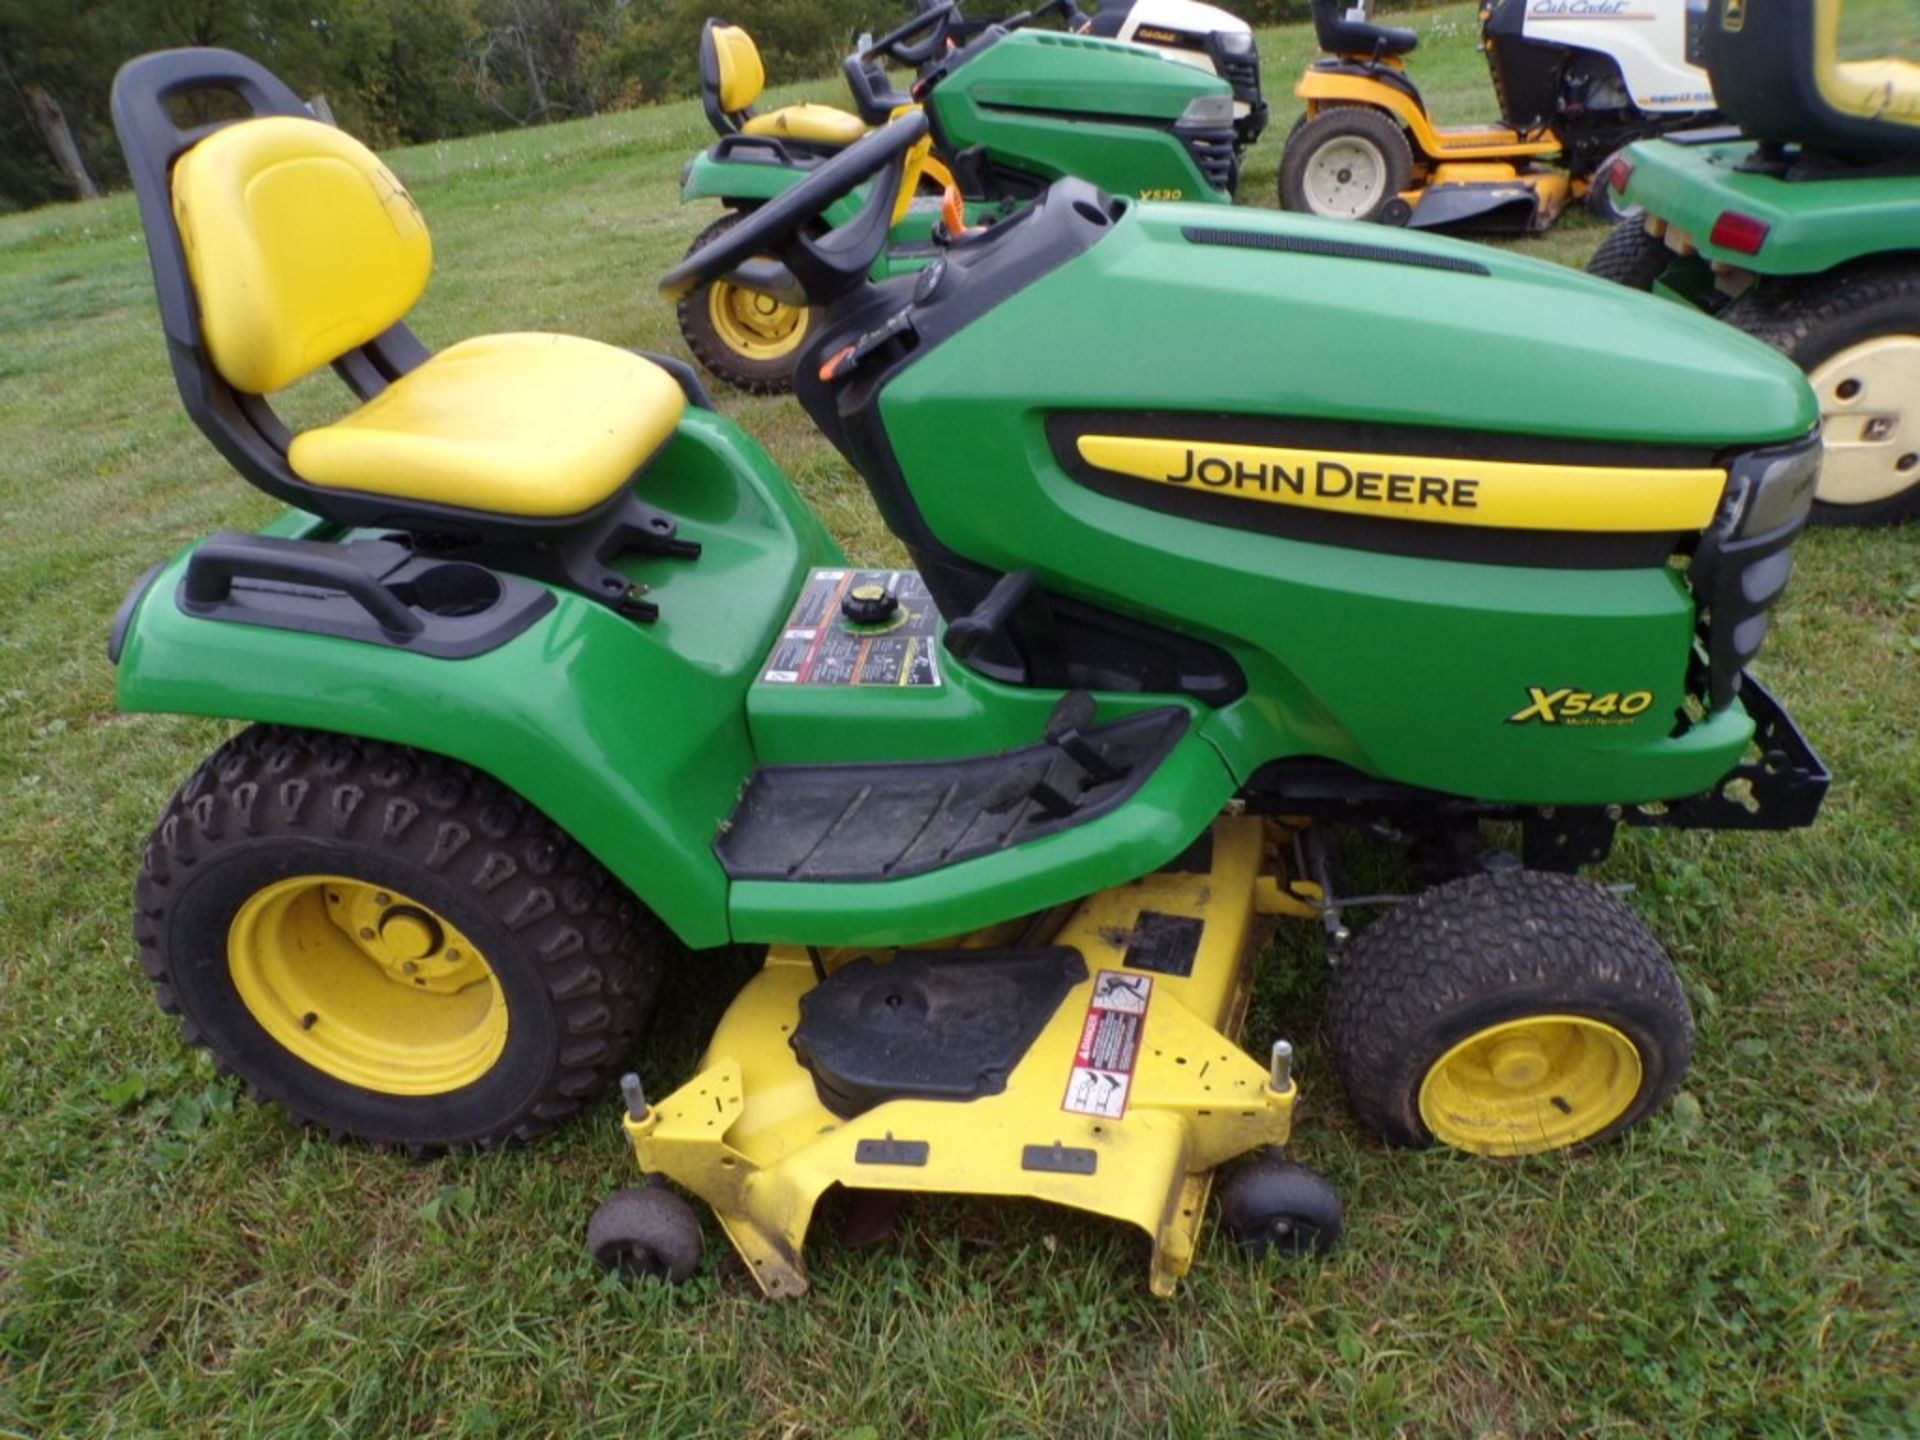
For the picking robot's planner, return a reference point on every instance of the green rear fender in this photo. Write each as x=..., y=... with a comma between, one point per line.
x=1813, y=226
x=633, y=738
x=744, y=182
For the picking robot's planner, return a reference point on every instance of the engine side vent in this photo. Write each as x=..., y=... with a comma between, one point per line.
x=1332, y=249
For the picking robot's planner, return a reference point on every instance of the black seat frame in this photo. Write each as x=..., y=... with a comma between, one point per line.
x=1340, y=36
x=575, y=552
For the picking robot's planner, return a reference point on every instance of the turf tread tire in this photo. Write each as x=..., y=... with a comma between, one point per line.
x=1488, y=948
x=1631, y=257
x=721, y=359
x=1812, y=318
x=594, y=951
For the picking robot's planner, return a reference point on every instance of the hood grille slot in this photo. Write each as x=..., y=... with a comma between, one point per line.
x=1330, y=249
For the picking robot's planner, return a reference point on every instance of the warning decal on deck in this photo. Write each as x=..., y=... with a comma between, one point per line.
x=1102, y=1071
x=819, y=646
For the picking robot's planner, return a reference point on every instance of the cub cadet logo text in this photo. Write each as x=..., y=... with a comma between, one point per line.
x=1584, y=10
x=1331, y=480
x=1567, y=706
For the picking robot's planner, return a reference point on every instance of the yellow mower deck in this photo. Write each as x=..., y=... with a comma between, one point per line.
x=1122, y=1106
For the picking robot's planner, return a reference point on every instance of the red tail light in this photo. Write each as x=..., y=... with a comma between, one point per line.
x=1737, y=232
x=1618, y=173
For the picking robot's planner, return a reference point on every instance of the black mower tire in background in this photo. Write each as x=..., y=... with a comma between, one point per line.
x=727, y=345
x=1508, y=1013
x=301, y=885
x=648, y=1233
x=1631, y=257
x=1316, y=168
x=1270, y=1204
x=1828, y=325
x=1602, y=200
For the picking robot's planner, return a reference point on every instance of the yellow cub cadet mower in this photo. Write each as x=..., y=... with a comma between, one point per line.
x=1576, y=81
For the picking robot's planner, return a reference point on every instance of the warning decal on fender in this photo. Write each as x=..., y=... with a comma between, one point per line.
x=1102, y=1071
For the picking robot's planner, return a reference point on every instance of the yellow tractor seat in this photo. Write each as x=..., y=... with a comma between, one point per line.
x=524, y=425
x=731, y=79
x=812, y=124
x=280, y=246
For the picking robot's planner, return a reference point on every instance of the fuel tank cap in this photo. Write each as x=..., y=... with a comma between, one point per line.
x=870, y=604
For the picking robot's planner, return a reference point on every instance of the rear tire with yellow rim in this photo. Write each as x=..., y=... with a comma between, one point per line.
x=1508, y=1014
x=389, y=944
x=747, y=339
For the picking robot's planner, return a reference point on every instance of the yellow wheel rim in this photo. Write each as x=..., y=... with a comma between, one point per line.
x=367, y=985
x=1869, y=420
x=1525, y=1086
x=754, y=326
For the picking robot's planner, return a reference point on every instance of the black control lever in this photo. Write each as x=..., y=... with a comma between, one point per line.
x=991, y=615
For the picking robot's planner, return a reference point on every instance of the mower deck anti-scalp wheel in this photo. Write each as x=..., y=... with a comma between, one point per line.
x=1508, y=1014
x=389, y=944
x=646, y=1234
x=1857, y=335
x=749, y=340
x=1631, y=257
x=1271, y=1204
x=1348, y=163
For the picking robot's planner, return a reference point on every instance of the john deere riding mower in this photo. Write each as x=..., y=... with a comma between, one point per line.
x=1805, y=233
x=1010, y=109
x=548, y=661
x=1575, y=82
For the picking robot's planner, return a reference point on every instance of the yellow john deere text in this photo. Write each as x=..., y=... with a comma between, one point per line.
x=1494, y=493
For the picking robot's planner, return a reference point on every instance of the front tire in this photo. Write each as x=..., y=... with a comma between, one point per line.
x=1857, y=335
x=750, y=341
x=389, y=944
x=1509, y=1013
x=1348, y=163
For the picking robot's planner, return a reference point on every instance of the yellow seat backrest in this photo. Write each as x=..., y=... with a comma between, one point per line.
x=300, y=244
x=737, y=64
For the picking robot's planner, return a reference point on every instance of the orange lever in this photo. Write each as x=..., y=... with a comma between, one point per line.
x=834, y=361
x=953, y=213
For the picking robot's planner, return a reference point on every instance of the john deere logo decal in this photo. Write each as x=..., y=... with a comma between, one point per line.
x=1733, y=18
x=1567, y=706
x=1497, y=493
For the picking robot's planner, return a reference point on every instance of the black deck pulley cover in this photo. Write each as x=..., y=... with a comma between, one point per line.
x=929, y=1025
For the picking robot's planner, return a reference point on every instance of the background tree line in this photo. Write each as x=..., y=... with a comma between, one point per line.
x=406, y=71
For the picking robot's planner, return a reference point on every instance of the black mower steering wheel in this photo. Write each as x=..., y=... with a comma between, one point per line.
x=933, y=21
x=810, y=270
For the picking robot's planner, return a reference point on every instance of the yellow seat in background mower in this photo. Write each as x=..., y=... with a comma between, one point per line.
x=812, y=124
x=518, y=424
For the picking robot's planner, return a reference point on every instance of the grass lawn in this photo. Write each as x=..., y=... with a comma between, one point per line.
x=175, y=1261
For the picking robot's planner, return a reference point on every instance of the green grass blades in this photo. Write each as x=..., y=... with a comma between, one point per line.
x=175, y=1261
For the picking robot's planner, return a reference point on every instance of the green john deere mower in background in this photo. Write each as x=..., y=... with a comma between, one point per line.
x=1010, y=108
x=1806, y=231
x=549, y=663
